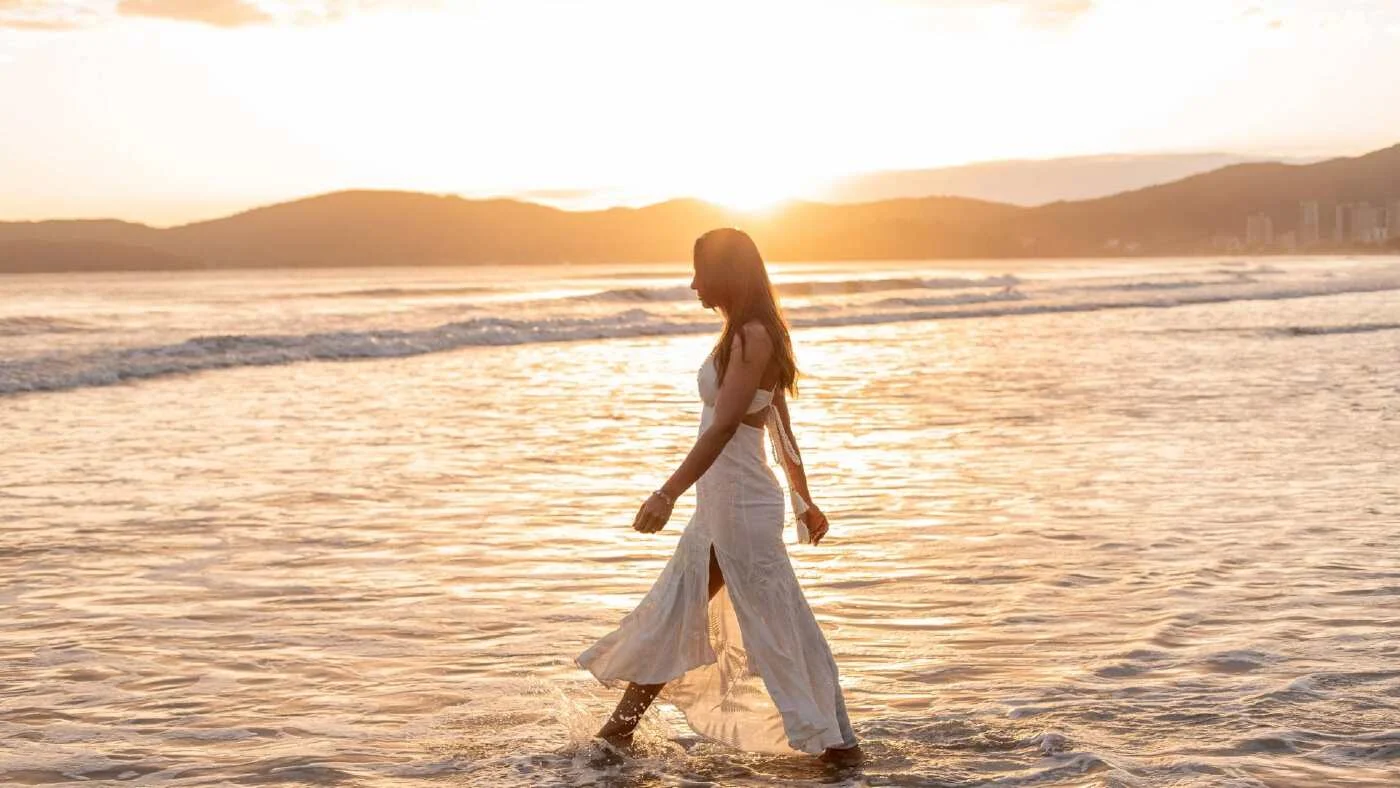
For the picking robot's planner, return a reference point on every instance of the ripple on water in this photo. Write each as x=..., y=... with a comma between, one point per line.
x=1138, y=548
x=1239, y=661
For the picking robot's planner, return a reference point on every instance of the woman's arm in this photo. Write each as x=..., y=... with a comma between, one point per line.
x=747, y=361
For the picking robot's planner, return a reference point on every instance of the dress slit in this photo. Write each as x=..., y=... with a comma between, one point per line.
x=714, y=568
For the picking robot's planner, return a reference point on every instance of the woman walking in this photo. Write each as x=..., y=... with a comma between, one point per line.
x=725, y=632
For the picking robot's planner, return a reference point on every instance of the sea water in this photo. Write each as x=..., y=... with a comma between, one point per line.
x=1094, y=522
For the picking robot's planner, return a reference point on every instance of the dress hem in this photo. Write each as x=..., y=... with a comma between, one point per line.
x=619, y=682
x=614, y=682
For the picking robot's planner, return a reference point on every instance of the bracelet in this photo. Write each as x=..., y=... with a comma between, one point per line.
x=668, y=499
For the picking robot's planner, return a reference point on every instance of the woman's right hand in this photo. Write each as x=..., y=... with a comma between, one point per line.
x=653, y=515
x=816, y=522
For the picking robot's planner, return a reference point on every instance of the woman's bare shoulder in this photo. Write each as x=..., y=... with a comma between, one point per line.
x=752, y=336
x=754, y=331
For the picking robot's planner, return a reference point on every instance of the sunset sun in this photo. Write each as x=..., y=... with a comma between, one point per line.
x=753, y=186
x=747, y=197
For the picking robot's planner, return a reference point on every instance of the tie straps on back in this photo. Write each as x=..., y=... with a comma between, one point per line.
x=779, y=440
x=782, y=446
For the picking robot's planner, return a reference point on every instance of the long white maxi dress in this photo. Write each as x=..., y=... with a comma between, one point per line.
x=751, y=667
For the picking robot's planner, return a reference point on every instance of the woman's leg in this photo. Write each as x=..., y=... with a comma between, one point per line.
x=635, y=701
x=637, y=698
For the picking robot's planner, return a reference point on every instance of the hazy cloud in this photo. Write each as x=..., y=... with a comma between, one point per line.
x=1055, y=13
x=1035, y=13
x=20, y=23
x=74, y=14
x=314, y=12
x=219, y=13
x=47, y=15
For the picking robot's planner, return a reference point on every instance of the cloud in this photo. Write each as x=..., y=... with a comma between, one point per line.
x=1050, y=14
x=319, y=11
x=218, y=13
x=52, y=15
x=47, y=15
x=20, y=23
x=1055, y=13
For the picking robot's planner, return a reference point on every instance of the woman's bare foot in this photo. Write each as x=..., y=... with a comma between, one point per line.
x=842, y=756
x=612, y=749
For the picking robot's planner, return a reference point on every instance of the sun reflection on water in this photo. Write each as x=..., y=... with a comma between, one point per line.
x=1059, y=553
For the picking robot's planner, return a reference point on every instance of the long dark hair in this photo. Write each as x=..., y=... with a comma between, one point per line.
x=727, y=260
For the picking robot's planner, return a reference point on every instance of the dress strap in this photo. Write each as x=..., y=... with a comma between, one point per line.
x=778, y=438
x=782, y=446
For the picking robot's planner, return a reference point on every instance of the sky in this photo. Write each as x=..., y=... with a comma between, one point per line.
x=168, y=111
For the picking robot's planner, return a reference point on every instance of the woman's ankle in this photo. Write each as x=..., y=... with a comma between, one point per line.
x=615, y=734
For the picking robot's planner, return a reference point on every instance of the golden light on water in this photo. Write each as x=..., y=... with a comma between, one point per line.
x=1061, y=542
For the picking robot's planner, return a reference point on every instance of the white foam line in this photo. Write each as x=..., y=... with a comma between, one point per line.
x=57, y=373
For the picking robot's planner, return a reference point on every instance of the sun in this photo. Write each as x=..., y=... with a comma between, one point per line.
x=744, y=201
x=748, y=194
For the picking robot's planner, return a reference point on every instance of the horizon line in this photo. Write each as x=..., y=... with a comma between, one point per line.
x=776, y=205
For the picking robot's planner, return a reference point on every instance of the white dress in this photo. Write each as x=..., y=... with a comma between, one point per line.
x=749, y=668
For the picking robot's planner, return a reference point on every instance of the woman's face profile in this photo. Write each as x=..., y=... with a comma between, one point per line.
x=698, y=285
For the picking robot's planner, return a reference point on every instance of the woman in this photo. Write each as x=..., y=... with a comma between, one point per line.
x=725, y=633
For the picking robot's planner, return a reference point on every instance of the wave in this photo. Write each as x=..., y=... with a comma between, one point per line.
x=815, y=287
x=110, y=366
x=1238, y=267
x=857, y=286
x=643, y=294
x=1178, y=284
x=393, y=292
x=963, y=298
x=21, y=325
x=1358, y=328
x=1276, y=293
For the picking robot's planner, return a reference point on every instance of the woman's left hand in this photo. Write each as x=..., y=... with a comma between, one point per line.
x=816, y=523
x=652, y=516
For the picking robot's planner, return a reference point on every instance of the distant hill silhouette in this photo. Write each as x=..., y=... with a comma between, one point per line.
x=1030, y=182
x=36, y=256
x=1181, y=217
x=360, y=228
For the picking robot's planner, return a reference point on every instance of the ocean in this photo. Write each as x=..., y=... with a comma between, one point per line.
x=1112, y=522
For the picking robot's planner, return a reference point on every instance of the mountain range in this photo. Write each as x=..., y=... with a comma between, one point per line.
x=365, y=228
x=1034, y=182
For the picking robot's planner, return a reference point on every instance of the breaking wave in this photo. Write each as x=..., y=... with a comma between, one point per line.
x=815, y=287
x=21, y=325
x=108, y=366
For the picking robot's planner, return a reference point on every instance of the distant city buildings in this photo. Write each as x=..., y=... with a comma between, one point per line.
x=1365, y=229
x=1310, y=229
x=1259, y=230
x=1353, y=223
